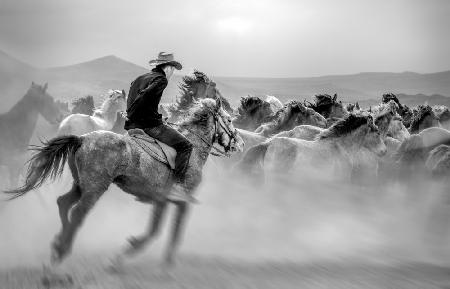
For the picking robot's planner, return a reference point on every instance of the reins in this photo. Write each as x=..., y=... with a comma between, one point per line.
x=218, y=153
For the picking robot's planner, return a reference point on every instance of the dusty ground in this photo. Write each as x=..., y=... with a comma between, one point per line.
x=196, y=272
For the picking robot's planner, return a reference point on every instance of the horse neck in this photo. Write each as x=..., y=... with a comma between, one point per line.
x=198, y=135
x=108, y=113
x=24, y=116
x=348, y=144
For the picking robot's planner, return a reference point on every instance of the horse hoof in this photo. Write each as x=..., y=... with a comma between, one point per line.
x=55, y=257
x=57, y=254
x=116, y=266
x=136, y=244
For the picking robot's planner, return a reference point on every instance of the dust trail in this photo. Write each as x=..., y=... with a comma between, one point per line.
x=299, y=219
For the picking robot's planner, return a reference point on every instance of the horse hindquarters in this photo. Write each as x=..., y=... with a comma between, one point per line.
x=85, y=194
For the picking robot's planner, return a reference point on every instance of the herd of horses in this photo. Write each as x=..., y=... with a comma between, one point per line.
x=343, y=141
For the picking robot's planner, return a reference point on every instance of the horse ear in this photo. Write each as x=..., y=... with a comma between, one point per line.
x=44, y=88
x=123, y=92
x=218, y=103
x=335, y=97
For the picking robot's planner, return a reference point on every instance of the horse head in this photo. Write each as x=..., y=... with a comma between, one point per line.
x=302, y=115
x=360, y=130
x=397, y=129
x=227, y=135
x=198, y=86
x=44, y=103
x=118, y=99
x=328, y=106
x=208, y=115
x=252, y=112
x=423, y=117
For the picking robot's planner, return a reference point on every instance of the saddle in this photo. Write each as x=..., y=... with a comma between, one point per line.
x=156, y=149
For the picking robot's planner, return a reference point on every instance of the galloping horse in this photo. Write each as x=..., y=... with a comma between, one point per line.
x=332, y=150
x=103, y=118
x=100, y=158
x=18, y=124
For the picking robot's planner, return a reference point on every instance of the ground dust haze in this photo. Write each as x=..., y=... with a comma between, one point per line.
x=291, y=219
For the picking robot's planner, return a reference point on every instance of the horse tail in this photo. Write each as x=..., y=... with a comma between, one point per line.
x=253, y=160
x=48, y=161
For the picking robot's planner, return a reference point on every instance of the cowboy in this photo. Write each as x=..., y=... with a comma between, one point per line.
x=142, y=112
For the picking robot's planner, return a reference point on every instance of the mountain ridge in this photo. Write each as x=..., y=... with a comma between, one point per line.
x=98, y=75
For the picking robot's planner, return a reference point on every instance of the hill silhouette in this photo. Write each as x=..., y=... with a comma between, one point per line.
x=95, y=77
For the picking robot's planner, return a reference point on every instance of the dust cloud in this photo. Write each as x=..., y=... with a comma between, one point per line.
x=300, y=218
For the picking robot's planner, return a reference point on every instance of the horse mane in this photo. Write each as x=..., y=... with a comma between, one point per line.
x=199, y=112
x=387, y=97
x=422, y=111
x=442, y=112
x=186, y=98
x=289, y=109
x=324, y=100
x=345, y=126
x=249, y=104
x=83, y=105
x=384, y=109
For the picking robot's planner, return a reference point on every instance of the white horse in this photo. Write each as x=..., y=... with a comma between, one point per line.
x=103, y=118
x=275, y=103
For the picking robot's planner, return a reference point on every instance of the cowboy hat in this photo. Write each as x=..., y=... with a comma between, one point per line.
x=165, y=58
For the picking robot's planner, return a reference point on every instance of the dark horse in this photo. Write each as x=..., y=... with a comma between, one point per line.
x=423, y=117
x=18, y=124
x=192, y=89
x=253, y=112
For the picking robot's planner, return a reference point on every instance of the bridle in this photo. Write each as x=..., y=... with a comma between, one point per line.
x=218, y=123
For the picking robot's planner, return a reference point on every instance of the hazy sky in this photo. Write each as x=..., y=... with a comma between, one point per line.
x=274, y=38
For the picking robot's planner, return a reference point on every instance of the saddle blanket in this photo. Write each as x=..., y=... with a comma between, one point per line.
x=156, y=149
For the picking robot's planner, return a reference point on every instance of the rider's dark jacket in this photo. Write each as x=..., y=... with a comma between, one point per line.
x=143, y=100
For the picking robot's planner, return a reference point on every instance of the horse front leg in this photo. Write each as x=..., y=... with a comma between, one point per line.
x=138, y=243
x=182, y=209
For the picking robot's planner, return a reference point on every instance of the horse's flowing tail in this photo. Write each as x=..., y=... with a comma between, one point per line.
x=253, y=160
x=48, y=161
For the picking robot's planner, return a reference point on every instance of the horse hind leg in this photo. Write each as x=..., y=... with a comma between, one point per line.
x=89, y=196
x=65, y=203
